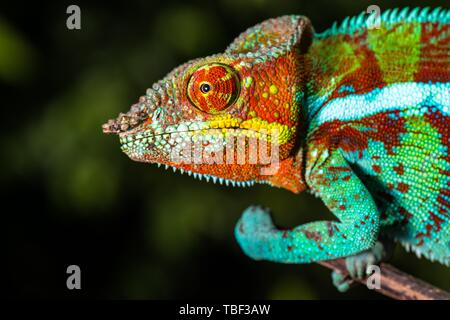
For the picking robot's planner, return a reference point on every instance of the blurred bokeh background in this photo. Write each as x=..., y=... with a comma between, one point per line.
x=71, y=197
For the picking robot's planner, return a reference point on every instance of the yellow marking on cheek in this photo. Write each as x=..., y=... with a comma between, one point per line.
x=273, y=89
x=256, y=127
x=223, y=121
x=284, y=132
x=265, y=95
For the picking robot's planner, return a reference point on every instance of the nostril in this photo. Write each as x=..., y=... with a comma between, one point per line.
x=111, y=127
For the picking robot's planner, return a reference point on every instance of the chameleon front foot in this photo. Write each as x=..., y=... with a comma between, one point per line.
x=357, y=265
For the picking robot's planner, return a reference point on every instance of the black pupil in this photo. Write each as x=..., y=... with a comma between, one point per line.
x=205, y=88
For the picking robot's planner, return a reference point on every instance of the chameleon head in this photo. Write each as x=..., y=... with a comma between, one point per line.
x=232, y=117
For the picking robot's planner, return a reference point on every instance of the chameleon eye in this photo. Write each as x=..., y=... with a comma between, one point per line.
x=213, y=87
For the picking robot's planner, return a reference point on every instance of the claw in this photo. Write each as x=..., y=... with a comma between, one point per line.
x=341, y=282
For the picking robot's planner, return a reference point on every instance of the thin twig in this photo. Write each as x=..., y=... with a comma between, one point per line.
x=395, y=283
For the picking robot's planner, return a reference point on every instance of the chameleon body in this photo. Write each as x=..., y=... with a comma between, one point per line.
x=360, y=117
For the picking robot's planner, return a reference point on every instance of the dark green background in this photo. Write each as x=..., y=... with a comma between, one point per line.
x=71, y=197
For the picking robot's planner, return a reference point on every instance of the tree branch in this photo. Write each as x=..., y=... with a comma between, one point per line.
x=395, y=283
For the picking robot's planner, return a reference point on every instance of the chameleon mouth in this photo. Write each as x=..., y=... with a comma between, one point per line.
x=213, y=129
x=130, y=139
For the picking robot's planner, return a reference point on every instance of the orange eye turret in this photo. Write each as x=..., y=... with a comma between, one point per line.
x=213, y=88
